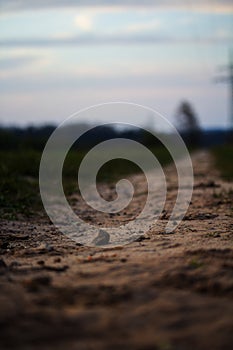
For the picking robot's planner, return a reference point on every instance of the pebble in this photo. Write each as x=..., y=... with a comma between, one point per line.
x=40, y=262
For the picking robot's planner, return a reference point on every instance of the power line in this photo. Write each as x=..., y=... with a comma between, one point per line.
x=228, y=78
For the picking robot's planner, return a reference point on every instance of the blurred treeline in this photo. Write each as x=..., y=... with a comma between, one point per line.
x=35, y=138
x=13, y=138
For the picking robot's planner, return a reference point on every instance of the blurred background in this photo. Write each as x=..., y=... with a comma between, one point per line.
x=60, y=56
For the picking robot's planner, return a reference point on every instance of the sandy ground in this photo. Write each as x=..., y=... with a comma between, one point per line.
x=165, y=291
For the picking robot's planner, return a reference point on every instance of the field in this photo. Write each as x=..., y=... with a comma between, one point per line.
x=19, y=179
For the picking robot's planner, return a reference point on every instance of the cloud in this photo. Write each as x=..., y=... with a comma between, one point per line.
x=123, y=39
x=141, y=27
x=16, y=62
x=218, y=6
x=96, y=77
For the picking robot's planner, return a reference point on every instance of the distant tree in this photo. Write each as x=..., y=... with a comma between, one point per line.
x=188, y=124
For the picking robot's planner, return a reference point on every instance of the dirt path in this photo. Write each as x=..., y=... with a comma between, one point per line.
x=166, y=291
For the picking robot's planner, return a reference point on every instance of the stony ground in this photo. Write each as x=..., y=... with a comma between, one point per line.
x=165, y=291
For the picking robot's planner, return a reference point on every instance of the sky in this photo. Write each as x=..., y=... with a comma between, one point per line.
x=57, y=57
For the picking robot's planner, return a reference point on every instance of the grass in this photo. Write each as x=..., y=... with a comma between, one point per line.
x=224, y=161
x=19, y=180
x=19, y=185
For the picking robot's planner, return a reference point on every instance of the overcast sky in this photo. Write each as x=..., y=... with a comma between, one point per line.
x=57, y=57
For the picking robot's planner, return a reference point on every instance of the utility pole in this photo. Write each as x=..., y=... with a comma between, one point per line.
x=228, y=79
